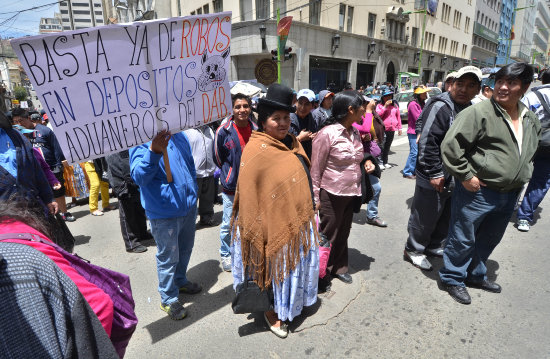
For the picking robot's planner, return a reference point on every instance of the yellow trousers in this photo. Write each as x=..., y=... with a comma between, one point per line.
x=95, y=184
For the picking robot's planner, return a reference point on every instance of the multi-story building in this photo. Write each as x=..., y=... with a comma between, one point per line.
x=541, y=34
x=485, y=35
x=50, y=24
x=524, y=29
x=356, y=41
x=507, y=15
x=81, y=14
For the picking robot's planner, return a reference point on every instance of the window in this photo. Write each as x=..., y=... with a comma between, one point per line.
x=456, y=19
x=192, y=13
x=245, y=6
x=445, y=13
x=262, y=9
x=350, y=18
x=206, y=9
x=279, y=4
x=442, y=44
x=199, y=11
x=315, y=12
x=82, y=12
x=467, y=25
x=341, y=17
x=372, y=24
x=464, y=48
x=414, y=36
x=454, y=47
x=218, y=5
x=429, y=40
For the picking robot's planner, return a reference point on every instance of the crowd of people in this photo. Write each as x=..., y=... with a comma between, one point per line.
x=294, y=168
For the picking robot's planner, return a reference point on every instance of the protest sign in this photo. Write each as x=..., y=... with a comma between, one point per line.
x=109, y=88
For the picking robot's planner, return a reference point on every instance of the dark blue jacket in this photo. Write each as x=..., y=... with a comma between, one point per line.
x=227, y=153
x=31, y=182
x=45, y=139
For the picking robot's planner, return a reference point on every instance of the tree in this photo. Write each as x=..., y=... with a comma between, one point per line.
x=20, y=93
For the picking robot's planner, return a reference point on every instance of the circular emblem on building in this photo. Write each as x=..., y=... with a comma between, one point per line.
x=266, y=71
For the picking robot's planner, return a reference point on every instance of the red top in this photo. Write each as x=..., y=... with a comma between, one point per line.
x=101, y=303
x=244, y=134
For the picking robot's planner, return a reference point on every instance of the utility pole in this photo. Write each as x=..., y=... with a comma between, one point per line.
x=278, y=49
x=422, y=40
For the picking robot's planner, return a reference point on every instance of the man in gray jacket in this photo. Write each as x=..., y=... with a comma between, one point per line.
x=431, y=206
x=489, y=150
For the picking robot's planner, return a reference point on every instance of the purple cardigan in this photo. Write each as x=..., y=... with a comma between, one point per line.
x=49, y=174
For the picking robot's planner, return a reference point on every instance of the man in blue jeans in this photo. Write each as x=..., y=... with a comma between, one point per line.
x=538, y=101
x=229, y=142
x=489, y=150
x=172, y=210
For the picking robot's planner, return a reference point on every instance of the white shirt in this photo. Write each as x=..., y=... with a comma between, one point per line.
x=201, y=140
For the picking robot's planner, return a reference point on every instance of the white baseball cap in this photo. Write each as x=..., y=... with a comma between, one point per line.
x=307, y=93
x=469, y=70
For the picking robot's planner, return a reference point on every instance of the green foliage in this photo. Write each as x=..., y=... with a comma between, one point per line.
x=20, y=93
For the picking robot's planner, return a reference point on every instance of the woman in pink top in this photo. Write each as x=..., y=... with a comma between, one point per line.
x=336, y=176
x=414, y=109
x=388, y=109
x=21, y=217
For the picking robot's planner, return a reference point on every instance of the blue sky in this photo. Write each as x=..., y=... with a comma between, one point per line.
x=26, y=23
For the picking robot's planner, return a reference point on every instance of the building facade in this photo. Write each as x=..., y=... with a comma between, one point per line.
x=541, y=33
x=50, y=24
x=356, y=41
x=485, y=35
x=524, y=28
x=81, y=14
x=507, y=15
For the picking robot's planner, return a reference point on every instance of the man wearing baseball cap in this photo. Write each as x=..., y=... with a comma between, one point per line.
x=489, y=150
x=302, y=123
x=322, y=113
x=431, y=206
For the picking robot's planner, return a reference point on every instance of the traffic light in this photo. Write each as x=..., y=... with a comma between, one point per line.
x=274, y=55
x=288, y=55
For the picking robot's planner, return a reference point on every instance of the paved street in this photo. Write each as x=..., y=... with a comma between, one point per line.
x=392, y=310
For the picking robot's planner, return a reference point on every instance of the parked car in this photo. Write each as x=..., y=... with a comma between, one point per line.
x=403, y=98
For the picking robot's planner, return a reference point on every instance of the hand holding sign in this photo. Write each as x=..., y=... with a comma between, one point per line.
x=109, y=88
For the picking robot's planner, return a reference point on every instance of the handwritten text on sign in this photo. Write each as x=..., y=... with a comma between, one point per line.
x=109, y=88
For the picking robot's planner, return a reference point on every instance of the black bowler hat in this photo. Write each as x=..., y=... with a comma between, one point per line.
x=278, y=97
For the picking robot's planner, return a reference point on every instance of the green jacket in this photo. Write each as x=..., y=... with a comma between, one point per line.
x=480, y=143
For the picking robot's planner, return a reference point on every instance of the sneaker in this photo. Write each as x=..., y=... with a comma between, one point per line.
x=175, y=311
x=68, y=217
x=376, y=221
x=523, y=225
x=140, y=248
x=226, y=264
x=417, y=260
x=387, y=165
x=191, y=288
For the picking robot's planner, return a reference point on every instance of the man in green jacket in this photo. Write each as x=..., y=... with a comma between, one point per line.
x=489, y=149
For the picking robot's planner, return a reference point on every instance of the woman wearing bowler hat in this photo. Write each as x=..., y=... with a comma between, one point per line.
x=274, y=237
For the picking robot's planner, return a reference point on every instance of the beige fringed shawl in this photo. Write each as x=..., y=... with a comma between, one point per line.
x=272, y=208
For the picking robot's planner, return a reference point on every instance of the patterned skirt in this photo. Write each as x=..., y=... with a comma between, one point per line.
x=296, y=291
x=75, y=182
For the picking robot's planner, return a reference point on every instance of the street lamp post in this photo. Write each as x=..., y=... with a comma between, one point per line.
x=425, y=11
x=508, y=50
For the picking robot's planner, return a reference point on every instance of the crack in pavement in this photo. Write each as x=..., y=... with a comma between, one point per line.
x=363, y=289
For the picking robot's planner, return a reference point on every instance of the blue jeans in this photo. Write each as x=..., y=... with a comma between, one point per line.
x=225, y=231
x=410, y=166
x=372, y=206
x=478, y=222
x=536, y=190
x=175, y=238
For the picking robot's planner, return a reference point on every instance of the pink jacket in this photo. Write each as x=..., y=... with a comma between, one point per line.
x=100, y=302
x=335, y=161
x=414, y=110
x=390, y=115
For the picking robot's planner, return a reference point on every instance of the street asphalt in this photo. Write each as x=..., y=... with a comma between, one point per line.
x=392, y=310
